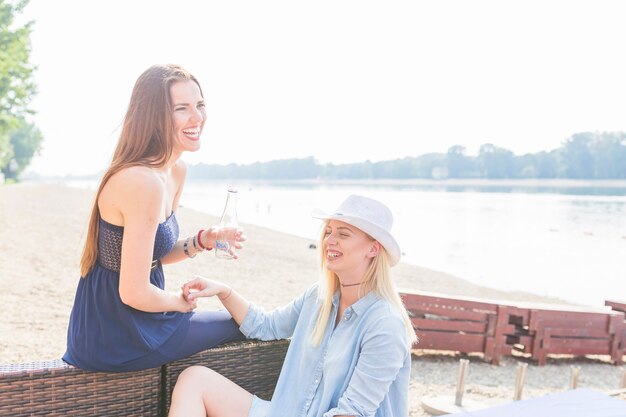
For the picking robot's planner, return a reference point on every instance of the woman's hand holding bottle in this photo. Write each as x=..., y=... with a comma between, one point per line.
x=231, y=239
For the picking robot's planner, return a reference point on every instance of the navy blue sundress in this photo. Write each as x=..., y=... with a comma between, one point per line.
x=104, y=334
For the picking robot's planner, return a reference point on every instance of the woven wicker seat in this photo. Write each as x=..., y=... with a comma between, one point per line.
x=52, y=388
x=255, y=366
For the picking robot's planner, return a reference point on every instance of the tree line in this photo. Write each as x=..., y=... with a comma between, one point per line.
x=20, y=139
x=586, y=155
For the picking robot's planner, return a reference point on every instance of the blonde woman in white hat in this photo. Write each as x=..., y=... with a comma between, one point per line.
x=350, y=334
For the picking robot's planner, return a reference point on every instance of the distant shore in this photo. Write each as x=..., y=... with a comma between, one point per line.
x=42, y=228
x=482, y=182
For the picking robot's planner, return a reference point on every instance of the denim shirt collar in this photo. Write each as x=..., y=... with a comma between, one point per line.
x=361, y=305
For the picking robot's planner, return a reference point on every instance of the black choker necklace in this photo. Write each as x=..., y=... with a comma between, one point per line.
x=349, y=285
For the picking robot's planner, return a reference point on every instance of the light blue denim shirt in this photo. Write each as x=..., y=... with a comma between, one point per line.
x=361, y=368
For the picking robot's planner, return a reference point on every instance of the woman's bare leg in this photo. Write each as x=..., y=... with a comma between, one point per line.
x=201, y=392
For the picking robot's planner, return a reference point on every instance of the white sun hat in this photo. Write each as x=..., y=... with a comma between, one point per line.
x=370, y=216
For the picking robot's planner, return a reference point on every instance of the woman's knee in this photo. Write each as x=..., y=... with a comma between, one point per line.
x=197, y=376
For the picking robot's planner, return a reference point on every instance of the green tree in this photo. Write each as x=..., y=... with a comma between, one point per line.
x=6, y=150
x=16, y=76
x=536, y=165
x=427, y=164
x=458, y=163
x=496, y=162
x=608, y=152
x=575, y=156
x=526, y=166
x=25, y=143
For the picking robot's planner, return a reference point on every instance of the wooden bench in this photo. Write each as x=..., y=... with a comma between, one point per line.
x=495, y=328
x=52, y=388
x=460, y=324
x=543, y=331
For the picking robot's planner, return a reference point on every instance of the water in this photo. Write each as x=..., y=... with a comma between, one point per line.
x=560, y=241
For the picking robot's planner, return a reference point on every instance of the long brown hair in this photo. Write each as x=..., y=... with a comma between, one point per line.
x=146, y=138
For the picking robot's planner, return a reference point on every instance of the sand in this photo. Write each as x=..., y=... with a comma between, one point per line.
x=42, y=228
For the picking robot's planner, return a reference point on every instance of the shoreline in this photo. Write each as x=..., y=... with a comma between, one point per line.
x=417, y=182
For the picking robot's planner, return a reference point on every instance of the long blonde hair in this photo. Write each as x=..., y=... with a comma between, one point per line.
x=146, y=139
x=378, y=279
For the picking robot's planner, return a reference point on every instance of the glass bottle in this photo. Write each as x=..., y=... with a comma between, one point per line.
x=225, y=240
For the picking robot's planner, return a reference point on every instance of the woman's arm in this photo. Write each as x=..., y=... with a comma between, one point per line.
x=236, y=305
x=139, y=198
x=255, y=323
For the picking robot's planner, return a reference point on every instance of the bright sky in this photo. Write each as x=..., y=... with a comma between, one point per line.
x=343, y=81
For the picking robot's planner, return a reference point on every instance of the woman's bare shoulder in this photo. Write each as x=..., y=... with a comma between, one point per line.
x=130, y=189
x=136, y=179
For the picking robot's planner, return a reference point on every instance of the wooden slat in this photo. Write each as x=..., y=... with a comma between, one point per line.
x=449, y=325
x=414, y=298
x=616, y=305
x=580, y=332
x=577, y=346
x=443, y=311
x=565, y=319
x=443, y=341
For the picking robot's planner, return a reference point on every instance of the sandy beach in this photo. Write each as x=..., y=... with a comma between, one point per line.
x=42, y=227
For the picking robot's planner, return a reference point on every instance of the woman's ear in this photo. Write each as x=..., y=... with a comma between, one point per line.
x=374, y=249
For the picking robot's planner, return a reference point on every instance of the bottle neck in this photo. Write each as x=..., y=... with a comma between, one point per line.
x=229, y=216
x=231, y=200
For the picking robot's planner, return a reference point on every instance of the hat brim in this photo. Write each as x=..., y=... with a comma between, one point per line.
x=381, y=235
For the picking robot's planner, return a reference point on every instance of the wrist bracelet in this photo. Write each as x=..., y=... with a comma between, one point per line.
x=200, y=240
x=186, y=249
x=195, y=245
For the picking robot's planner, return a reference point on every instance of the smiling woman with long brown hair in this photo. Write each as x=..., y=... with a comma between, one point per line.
x=122, y=319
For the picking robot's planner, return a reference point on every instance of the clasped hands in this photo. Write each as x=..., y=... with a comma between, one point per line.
x=203, y=287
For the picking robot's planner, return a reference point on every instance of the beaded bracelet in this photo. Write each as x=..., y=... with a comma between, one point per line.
x=186, y=249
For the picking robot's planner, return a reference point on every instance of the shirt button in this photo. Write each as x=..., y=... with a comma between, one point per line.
x=317, y=381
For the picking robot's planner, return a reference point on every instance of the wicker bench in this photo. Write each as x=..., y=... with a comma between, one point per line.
x=52, y=388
